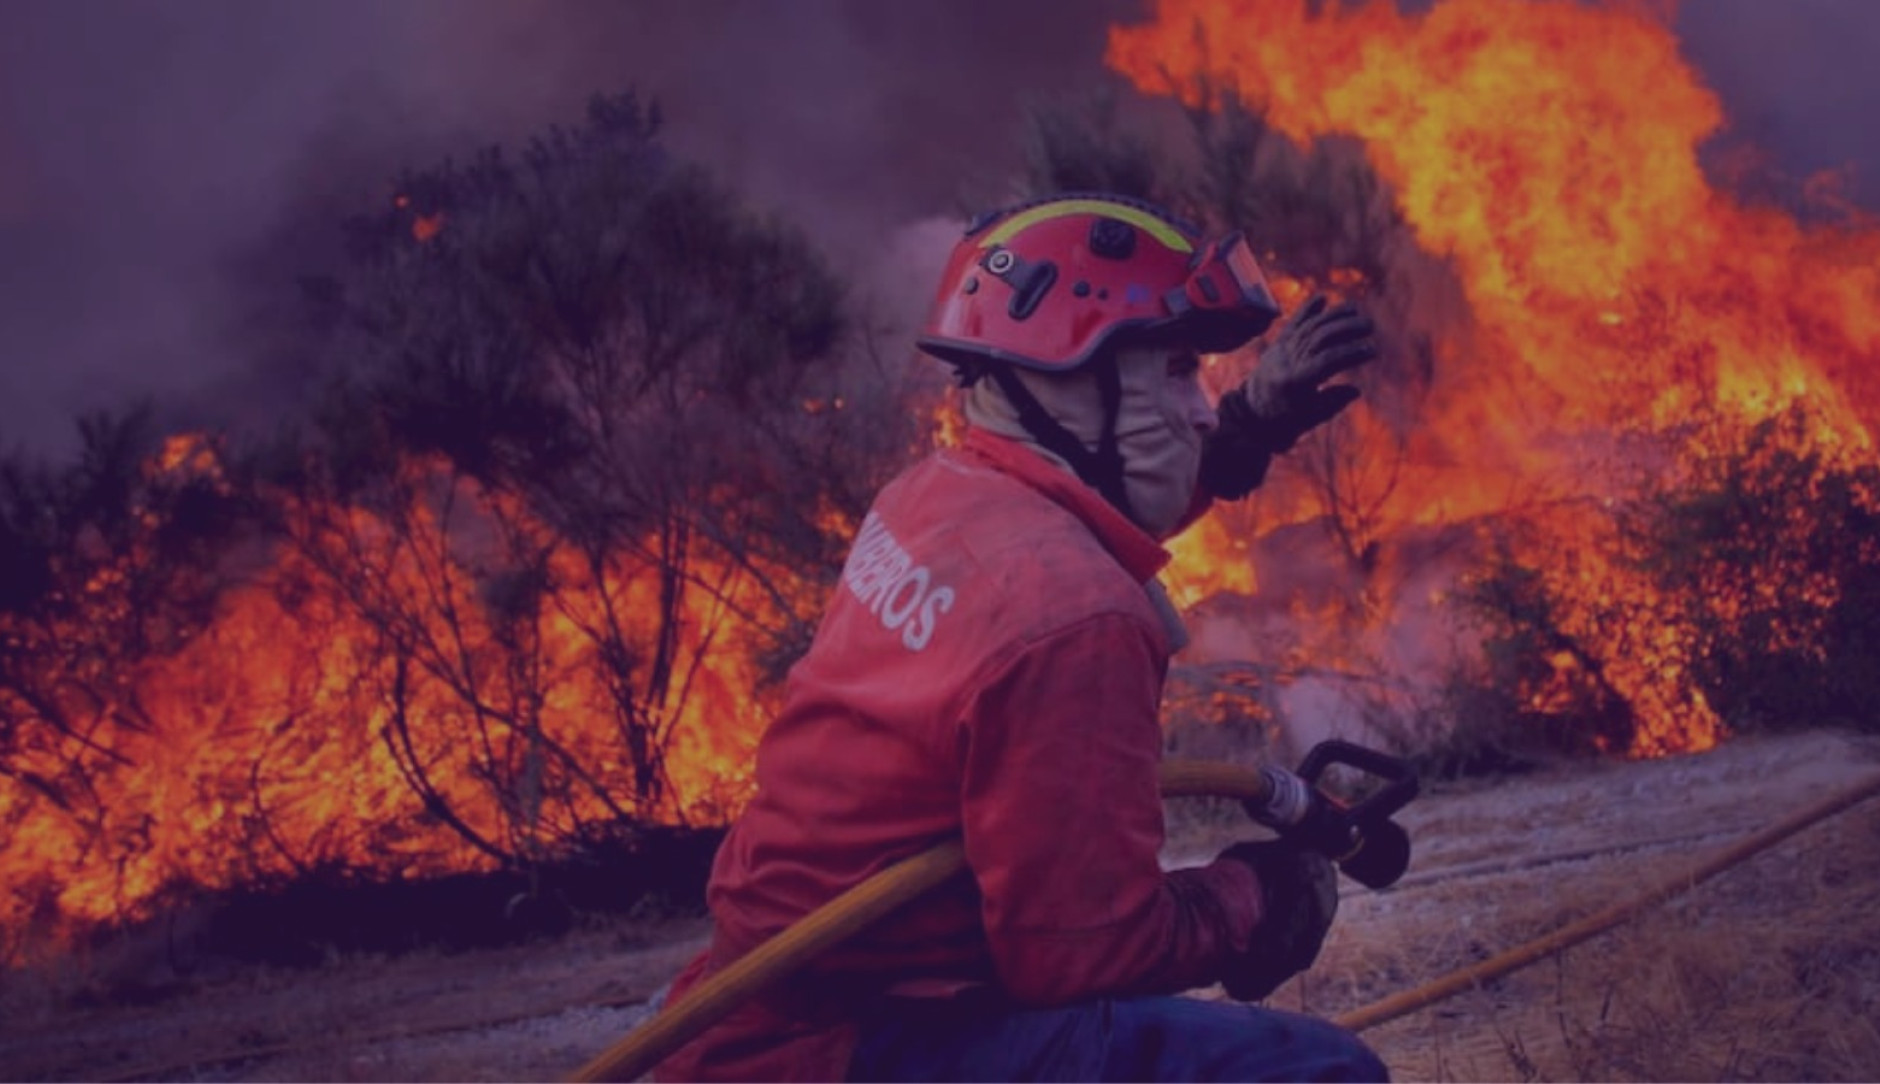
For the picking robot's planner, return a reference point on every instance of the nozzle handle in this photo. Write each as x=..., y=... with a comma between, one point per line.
x=1367, y=845
x=1401, y=784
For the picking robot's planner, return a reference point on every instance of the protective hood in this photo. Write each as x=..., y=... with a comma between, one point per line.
x=1159, y=428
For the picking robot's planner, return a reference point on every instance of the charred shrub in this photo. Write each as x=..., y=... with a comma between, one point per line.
x=1772, y=552
x=1539, y=687
x=1743, y=587
x=1469, y=727
x=592, y=436
x=302, y=922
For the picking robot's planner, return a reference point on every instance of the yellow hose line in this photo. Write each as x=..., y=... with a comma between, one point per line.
x=1540, y=948
x=709, y=1002
x=839, y=919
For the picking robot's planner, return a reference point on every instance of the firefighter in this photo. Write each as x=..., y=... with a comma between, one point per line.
x=990, y=666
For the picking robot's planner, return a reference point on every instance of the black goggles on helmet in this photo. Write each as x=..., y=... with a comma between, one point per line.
x=1225, y=302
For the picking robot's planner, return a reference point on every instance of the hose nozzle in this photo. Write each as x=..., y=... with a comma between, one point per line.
x=1367, y=845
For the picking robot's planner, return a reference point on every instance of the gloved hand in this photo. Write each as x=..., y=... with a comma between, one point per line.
x=1282, y=400
x=1300, y=888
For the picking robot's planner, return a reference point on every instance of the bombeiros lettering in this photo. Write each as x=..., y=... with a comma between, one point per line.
x=899, y=593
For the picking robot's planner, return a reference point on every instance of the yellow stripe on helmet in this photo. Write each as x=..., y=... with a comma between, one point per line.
x=1142, y=220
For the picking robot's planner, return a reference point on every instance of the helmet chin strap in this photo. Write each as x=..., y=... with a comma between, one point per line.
x=1102, y=470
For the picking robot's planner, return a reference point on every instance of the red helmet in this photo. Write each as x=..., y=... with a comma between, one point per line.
x=1046, y=285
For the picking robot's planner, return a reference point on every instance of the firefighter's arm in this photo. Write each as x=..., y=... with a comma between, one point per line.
x=1063, y=822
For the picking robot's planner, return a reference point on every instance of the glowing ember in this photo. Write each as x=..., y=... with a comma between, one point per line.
x=425, y=227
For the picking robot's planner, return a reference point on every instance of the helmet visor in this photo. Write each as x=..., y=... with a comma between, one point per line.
x=1225, y=301
x=1237, y=257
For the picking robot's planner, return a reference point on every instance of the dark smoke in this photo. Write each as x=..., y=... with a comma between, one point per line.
x=1797, y=80
x=161, y=163
x=167, y=169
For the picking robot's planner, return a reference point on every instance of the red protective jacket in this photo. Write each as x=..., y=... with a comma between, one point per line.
x=989, y=667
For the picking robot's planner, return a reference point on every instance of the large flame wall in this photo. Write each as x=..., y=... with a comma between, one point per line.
x=1548, y=151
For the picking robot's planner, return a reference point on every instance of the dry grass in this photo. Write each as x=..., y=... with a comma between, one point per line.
x=528, y=1011
x=1773, y=974
x=1769, y=972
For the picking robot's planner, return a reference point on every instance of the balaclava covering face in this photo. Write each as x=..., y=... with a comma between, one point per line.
x=1155, y=429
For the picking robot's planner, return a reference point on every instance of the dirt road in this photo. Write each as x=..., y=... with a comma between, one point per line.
x=1772, y=971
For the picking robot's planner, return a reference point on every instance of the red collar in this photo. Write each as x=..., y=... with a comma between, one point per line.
x=1138, y=553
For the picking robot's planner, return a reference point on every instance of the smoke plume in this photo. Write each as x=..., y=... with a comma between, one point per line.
x=166, y=170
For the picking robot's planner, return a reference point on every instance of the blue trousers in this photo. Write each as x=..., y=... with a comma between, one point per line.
x=1133, y=1039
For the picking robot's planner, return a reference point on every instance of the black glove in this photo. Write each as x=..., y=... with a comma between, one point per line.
x=1301, y=894
x=1282, y=400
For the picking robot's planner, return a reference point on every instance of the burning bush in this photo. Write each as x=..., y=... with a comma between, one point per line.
x=587, y=462
x=1748, y=577
x=596, y=436
x=1772, y=553
x=619, y=378
x=112, y=566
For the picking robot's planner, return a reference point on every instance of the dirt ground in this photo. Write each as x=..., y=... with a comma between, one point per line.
x=1771, y=971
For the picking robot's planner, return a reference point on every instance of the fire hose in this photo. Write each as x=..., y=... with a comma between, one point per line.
x=1362, y=839
x=1196, y=779
x=777, y=959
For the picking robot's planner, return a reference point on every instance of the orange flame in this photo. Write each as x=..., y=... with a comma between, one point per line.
x=1545, y=150
x=283, y=735
x=1548, y=152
